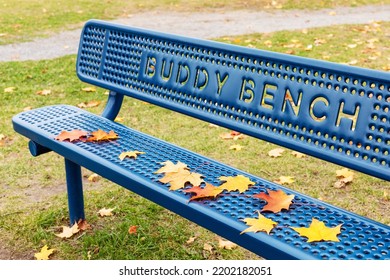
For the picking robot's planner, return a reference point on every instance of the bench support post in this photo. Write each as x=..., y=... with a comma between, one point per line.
x=75, y=191
x=113, y=106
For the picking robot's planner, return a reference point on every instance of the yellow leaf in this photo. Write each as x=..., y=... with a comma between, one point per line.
x=226, y=244
x=104, y=212
x=191, y=240
x=276, y=152
x=44, y=254
x=178, y=180
x=9, y=89
x=88, y=89
x=89, y=104
x=235, y=147
x=285, y=180
x=170, y=167
x=298, y=154
x=208, y=247
x=318, y=231
x=259, y=224
x=68, y=232
x=238, y=183
x=44, y=92
x=130, y=154
x=93, y=177
x=344, y=173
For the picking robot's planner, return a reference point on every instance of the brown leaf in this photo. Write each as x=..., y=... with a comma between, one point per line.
x=83, y=225
x=102, y=136
x=71, y=136
x=208, y=191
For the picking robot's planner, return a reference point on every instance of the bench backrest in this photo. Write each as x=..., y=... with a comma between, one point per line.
x=334, y=112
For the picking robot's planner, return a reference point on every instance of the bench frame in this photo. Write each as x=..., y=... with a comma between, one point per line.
x=333, y=112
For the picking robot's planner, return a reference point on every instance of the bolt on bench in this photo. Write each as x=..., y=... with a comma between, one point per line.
x=333, y=112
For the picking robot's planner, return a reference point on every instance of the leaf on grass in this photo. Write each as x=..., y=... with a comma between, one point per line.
x=44, y=92
x=276, y=200
x=207, y=247
x=235, y=147
x=191, y=240
x=298, y=154
x=344, y=176
x=3, y=140
x=232, y=135
x=71, y=136
x=170, y=167
x=276, y=152
x=130, y=154
x=89, y=104
x=88, y=89
x=285, y=180
x=208, y=191
x=104, y=212
x=132, y=230
x=9, y=89
x=102, y=136
x=94, y=177
x=318, y=231
x=259, y=224
x=237, y=183
x=68, y=232
x=44, y=254
x=83, y=225
x=179, y=179
x=226, y=244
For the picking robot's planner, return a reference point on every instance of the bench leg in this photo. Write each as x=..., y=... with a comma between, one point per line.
x=75, y=191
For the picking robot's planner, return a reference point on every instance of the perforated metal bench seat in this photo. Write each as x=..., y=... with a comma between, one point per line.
x=360, y=237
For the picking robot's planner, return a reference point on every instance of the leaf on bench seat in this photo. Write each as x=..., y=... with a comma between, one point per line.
x=208, y=191
x=259, y=224
x=178, y=180
x=237, y=183
x=101, y=136
x=169, y=167
x=276, y=200
x=130, y=154
x=71, y=136
x=318, y=231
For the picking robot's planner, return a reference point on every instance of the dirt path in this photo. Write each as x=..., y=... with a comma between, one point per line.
x=203, y=25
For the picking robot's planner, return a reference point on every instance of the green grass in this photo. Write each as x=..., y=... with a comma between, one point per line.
x=32, y=190
x=23, y=20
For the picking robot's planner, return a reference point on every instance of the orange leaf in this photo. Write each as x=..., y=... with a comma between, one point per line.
x=132, y=230
x=276, y=200
x=71, y=136
x=178, y=180
x=83, y=225
x=318, y=231
x=101, y=136
x=208, y=191
x=232, y=135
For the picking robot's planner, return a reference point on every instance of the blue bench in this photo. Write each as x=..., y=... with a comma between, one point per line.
x=333, y=112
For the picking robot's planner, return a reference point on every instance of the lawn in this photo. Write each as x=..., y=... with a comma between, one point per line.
x=23, y=20
x=33, y=204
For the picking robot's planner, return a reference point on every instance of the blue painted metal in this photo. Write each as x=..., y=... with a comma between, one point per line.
x=36, y=149
x=113, y=106
x=334, y=112
x=360, y=237
x=74, y=185
x=341, y=114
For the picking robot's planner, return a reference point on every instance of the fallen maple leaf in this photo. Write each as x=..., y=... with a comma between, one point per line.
x=344, y=176
x=285, y=180
x=259, y=224
x=44, y=92
x=276, y=152
x=226, y=244
x=104, y=212
x=9, y=89
x=71, y=136
x=235, y=147
x=318, y=231
x=276, y=200
x=298, y=154
x=191, y=240
x=170, y=167
x=88, y=89
x=238, y=183
x=232, y=135
x=132, y=230
x=101, y=136
x=68, y=232
x=89, y=104
x=93, y=177
x=44, y=254
x=83, y=225
x=130, y=154
x=208, y=191
x=344, y=173
x=178, y=180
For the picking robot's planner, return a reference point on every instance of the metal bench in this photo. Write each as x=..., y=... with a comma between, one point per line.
x=333, y=112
